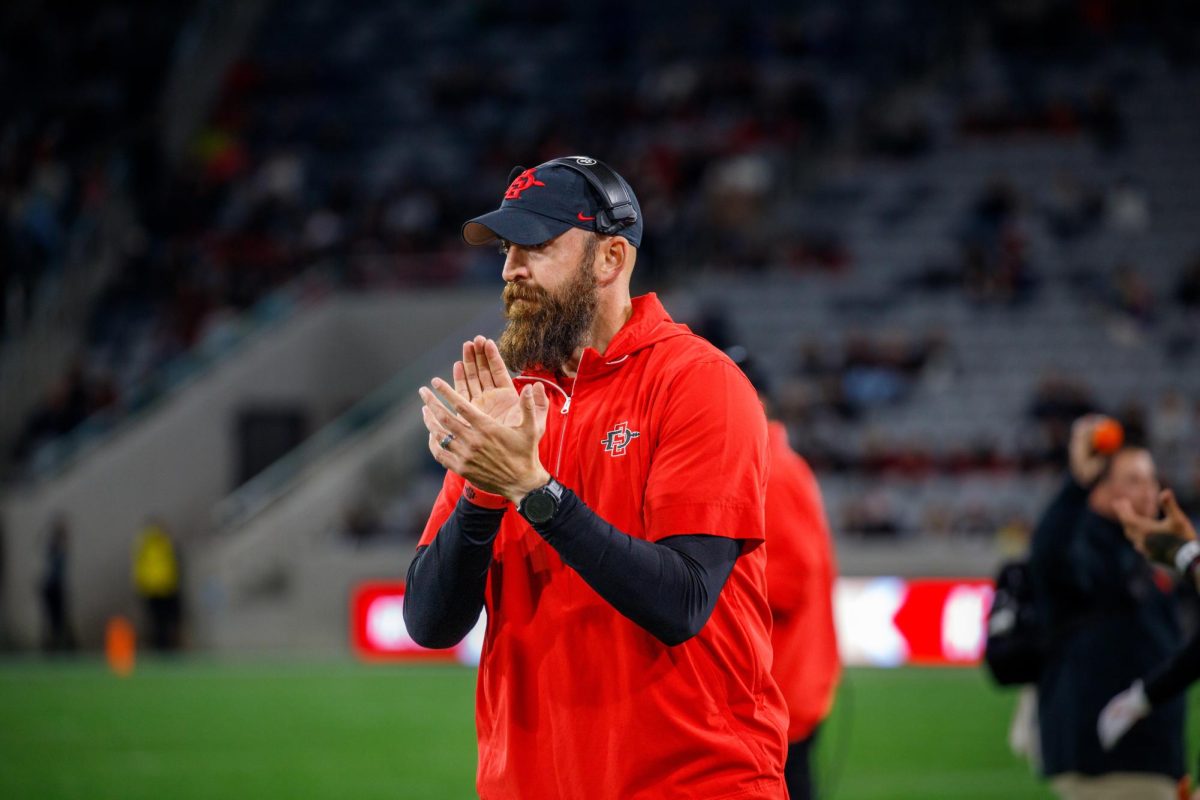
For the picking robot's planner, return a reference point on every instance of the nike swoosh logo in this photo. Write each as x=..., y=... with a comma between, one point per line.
x=582, y=218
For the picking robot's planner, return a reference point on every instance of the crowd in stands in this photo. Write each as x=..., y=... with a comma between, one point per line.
x=78, y=131
x=70, y=402
x=333, y=151
x=80, y=92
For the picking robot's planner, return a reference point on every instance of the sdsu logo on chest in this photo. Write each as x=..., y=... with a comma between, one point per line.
x=618, y=439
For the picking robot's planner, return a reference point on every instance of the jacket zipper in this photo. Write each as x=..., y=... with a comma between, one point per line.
x=565, y=411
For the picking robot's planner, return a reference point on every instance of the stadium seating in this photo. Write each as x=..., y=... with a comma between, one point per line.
x=932, y=254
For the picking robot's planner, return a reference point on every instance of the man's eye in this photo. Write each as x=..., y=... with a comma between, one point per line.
x=503, y=248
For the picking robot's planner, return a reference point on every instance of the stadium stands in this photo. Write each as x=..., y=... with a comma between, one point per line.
x=942, y=243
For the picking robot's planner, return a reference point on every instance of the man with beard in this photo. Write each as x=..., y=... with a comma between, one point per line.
x=606, y=508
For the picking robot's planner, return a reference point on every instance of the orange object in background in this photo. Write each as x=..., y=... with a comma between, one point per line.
x=1107, y=436
x=120, y=646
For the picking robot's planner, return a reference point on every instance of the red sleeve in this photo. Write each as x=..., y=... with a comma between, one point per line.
x=798, y=548
x=447, y=499
x=709, y=466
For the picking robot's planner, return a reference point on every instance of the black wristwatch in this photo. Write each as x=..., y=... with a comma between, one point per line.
x=540, y=505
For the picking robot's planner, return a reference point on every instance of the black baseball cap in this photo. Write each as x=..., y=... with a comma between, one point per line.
x=542, y=202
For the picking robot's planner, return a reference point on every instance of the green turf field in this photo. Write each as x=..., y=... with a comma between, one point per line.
x=199, y=729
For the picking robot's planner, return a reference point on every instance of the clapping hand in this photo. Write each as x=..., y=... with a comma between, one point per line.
x=489, y=435
x=483, y=378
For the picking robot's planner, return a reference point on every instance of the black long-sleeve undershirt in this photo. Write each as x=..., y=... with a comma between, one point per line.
x=443, y=593
x=1176, y=675
x=669, y=587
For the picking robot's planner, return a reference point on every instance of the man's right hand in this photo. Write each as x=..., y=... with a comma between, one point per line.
x=483, y=378
x=1086, y=464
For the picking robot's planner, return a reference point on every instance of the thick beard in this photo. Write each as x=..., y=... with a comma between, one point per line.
x=547, y=333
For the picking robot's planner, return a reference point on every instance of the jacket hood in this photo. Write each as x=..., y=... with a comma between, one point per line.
x=648, y=325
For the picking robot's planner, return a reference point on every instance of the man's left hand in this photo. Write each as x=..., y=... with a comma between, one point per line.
x=1120, y=714
x=492, y=456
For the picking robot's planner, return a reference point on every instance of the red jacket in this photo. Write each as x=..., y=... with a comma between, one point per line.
x=661, y=435
x=800, y=575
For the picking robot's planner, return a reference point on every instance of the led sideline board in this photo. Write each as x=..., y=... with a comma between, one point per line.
x=378, y=632
x=889, y=622
x=881, y=622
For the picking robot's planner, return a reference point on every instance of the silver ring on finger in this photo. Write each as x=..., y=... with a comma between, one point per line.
x=446, y=440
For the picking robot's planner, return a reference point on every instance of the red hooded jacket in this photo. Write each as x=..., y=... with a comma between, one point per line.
x=800, y=575
x=661, y=435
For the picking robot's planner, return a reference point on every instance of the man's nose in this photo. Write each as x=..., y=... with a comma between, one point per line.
x=515, y=265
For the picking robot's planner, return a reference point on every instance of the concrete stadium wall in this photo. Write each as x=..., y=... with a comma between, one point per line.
x=282, y=581
x=179, y=460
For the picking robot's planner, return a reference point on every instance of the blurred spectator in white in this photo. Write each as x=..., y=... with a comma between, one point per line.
x=1128, y=208
x=1171, y=428
x=737, y=189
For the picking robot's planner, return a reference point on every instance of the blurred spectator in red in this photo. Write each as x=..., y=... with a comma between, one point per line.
x=800, y=574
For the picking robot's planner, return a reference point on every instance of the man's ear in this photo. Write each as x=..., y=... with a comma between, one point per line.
x=615, y=253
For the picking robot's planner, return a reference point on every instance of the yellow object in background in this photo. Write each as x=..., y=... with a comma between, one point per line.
x=155, y=569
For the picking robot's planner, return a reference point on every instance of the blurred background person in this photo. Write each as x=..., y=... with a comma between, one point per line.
x=156, y=578
x=1110, y=617
x=58, y=634
x=1170, y=541
x=801, y=570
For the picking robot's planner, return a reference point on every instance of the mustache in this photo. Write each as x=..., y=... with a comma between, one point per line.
x=514, y=292
x=547, y=332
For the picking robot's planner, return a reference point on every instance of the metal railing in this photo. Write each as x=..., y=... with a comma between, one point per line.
x=286, y=474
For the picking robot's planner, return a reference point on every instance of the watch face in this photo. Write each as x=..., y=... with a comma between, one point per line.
x=539, y=507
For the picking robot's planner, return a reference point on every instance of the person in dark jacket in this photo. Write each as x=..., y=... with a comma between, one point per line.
x=57, y=632
x=1110, y=618
x=1170, y=541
